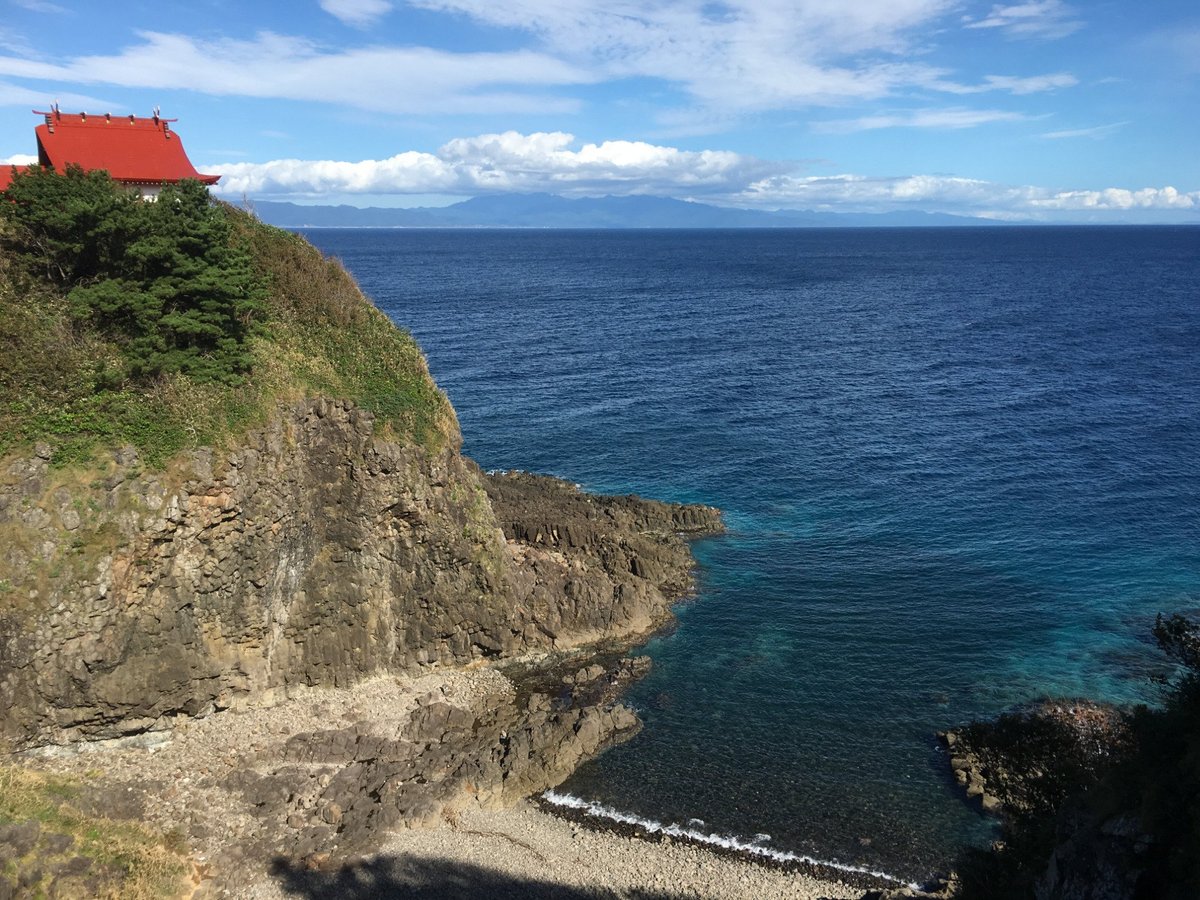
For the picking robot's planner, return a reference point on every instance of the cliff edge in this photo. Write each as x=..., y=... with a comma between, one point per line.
x=238, y=539
x=313, y=553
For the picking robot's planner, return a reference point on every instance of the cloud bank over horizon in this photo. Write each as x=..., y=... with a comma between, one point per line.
x=556, y=163
x=997, y=107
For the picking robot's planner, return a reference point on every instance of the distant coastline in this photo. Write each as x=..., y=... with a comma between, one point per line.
x=542, y=211
x=549, y=211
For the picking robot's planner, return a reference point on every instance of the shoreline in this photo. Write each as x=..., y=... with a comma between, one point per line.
x=601, y=818
x=184, y=781
x=526, y=851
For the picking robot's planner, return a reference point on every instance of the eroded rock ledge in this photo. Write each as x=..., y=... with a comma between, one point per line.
x=325, y=774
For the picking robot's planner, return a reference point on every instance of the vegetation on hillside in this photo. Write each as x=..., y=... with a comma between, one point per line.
x=179, y=324
x=53, y=843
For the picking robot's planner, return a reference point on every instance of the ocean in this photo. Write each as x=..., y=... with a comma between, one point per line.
x=959, y=469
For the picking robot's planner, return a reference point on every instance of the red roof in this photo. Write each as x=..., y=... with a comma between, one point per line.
x=132, y=150
x=6, y=171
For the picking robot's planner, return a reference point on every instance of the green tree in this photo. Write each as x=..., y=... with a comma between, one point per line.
x=66, y=229
x=165, y=281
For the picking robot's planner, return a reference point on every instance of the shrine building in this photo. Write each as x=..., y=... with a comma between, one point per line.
x=143, y=153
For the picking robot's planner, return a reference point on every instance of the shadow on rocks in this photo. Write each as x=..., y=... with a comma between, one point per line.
x=428, y=879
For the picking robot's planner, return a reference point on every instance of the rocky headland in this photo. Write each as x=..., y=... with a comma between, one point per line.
x=257, y=610
x=144, y=604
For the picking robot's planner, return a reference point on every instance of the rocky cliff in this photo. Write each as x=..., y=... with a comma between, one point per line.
x=313, y=553
x=262, y=620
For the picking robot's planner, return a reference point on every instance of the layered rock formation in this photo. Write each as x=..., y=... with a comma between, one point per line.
x=313, y=553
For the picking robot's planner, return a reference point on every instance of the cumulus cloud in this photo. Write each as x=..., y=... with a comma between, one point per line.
x=864, y=193
x=941, y=193
x=509, y=162
x=390, y=79
x=1045, y=19
x=359, y=13
x=556, y=163
x=19, y=159
x=919, y=118
x=1119, y=199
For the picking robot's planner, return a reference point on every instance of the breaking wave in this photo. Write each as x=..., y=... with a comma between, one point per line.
x=691, y=832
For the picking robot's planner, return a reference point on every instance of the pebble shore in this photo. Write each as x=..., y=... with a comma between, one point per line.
x=524, y=852
x=469, y=852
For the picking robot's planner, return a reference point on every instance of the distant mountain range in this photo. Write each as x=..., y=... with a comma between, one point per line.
x=549, y=211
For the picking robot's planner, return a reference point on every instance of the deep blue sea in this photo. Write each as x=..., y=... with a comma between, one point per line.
x=960, y=470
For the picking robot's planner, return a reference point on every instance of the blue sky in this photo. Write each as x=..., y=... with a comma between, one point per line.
x=1042, y=108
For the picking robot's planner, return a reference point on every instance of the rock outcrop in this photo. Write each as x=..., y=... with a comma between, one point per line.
x=1036, y=768
x=1031, y=760
x=325, y=774
x=314, y=553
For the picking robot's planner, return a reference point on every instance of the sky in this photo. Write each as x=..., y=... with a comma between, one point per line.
x=1042, y=109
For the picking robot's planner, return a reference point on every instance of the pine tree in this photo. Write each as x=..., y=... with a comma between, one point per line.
x=163, y=280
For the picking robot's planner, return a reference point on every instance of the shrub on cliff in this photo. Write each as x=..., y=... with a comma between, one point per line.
x=1161, y=782
x=162, y=281
x=181, y=324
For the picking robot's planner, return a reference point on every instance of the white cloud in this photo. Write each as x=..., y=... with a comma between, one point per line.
x=389, y=79
x=738, y=55
x=19, y=159
x=554, y=162
x=967, y=196
x=1097, y=131
x=1033, y=84
x=17, y=95
x=509, y=162
x=41, y=6
x=919, y=118
x=359, y=13
x=725, y=59
x=1179, y=45
x=1120, y=199
x=871, y=194
x=1046, y=19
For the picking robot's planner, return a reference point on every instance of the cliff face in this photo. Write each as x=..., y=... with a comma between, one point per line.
x=314, y=553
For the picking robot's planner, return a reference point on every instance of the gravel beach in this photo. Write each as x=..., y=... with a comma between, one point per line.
x=524, y=852
x=173, y=782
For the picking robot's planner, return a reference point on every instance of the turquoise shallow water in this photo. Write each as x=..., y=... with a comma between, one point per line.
x=958, y=468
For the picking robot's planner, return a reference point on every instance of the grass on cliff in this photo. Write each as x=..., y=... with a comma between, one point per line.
x=126, y=860
x=66, y=379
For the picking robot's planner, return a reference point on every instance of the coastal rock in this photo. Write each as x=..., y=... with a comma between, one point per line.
x=301, y=781
x=1032, y=767
x=314, y=553
x=940, y=889
x=1032, y=758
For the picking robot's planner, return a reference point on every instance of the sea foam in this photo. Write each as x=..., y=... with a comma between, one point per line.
x=728, y=842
